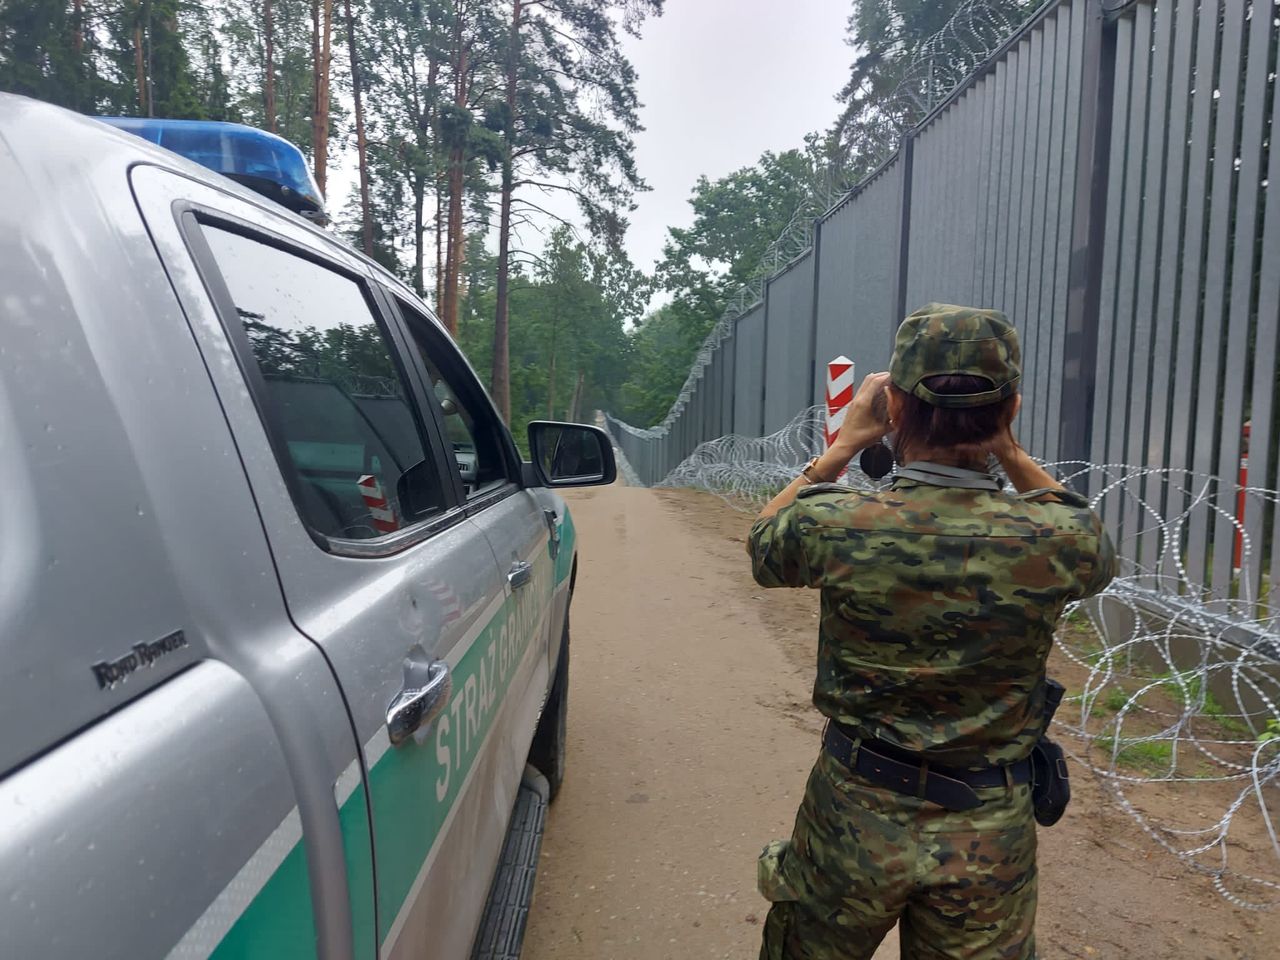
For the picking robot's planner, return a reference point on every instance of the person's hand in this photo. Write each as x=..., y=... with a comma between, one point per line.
x=864, y=424
x=1004, y=447
x=865, y=420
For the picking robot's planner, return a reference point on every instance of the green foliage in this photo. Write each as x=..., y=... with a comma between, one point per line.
x=567, y=319
x=1150, y=756
x=39, y=56
x=1116, y=699
x=735, y=219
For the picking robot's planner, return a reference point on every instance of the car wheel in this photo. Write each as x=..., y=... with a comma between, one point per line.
x=550, y=740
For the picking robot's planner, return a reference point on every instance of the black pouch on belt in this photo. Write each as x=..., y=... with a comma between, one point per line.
x=1050, y=783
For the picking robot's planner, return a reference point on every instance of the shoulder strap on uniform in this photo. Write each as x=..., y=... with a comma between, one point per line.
x=1069, y=497
x=941, y=475
x=814, y=489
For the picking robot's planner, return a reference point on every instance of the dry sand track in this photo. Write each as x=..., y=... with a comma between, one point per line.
x=690, y=737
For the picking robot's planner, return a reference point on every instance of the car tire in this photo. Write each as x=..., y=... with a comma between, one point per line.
x=550, y=740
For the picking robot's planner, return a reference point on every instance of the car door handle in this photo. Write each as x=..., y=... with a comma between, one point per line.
x=425, y=695
x=520, y=574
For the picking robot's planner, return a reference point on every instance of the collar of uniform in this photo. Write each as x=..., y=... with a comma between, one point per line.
x=941, y=475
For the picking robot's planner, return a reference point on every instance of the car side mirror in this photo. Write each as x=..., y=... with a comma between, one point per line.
x=571, y=455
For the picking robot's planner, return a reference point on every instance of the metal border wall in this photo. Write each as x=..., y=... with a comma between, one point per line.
x=1102, y=178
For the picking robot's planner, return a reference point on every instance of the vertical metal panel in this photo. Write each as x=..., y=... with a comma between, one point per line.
x=1029, y=316
x=1008, y=168
x=811, y=376
x=1037, y=223
x=711, y=393
x=1074, y=53
x=1048, y=313
x=749, y=379
x=1035, y=131
x=967, y=121
x=1014, y=217
x=1166, y=275
x=1253, y=131
x=1165, y=318
x=1112, y=363
x=1139, y=522
x=1207, y=423
x=1132, y=151
x=982, y=153
x=790, y=302
x=995, y=189
x=857, y=280
x=1262, y=405
x=728, y=386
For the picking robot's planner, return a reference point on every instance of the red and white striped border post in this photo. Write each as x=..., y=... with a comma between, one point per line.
x=381, y=515
x=839, y=395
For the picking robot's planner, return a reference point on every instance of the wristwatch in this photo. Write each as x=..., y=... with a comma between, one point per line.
x=807, y=468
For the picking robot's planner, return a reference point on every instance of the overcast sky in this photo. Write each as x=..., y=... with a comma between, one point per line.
x=721, y=82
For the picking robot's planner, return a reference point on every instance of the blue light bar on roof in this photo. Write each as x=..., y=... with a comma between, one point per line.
x=262, y=161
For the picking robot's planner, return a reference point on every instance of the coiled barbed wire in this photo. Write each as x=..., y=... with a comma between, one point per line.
x=1173, y=688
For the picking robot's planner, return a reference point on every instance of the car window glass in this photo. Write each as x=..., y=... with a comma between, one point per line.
x=338, y=400
x=473, y=432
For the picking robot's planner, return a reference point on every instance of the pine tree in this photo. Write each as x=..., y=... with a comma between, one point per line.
x=561, y=55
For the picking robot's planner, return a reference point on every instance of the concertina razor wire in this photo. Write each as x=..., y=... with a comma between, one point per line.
x=1172, y=689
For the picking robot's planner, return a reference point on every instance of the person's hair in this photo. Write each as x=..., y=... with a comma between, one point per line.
x=920, y=426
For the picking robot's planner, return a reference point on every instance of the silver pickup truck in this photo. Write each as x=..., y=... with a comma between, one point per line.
x=283, y=613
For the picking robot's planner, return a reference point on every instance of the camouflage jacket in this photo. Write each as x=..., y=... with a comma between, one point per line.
x=938, y=607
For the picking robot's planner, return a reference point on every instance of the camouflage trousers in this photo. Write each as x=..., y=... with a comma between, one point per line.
x=862, y=858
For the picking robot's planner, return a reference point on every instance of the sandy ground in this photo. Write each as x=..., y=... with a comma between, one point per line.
x=690, y=737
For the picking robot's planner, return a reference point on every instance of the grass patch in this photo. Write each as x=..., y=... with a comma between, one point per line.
x=1148, y=756
x=1116, y=699
x=1189, y=690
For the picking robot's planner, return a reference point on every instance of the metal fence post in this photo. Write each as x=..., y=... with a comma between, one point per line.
x=1088, y=234
x=907, y=153
x=764, y=363
x=813, y=313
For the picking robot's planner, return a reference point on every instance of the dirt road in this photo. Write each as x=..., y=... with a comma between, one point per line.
x=690, y=737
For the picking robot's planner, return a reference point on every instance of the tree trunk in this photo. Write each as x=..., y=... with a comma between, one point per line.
x=575, y=406
x=419, y=231
x=453, y=257
x=322, y=52
x=426, y=139
x=551, y=379
x=269, y=82
x=456, y=185
x=439, y=245
x=77, y=37
x=500, y=379
x=139, y=64
x=362, y=146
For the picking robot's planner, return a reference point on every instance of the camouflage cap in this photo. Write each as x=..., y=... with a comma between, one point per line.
x=941, y=339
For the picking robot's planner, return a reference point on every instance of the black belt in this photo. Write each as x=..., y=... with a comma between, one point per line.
x=905, y=773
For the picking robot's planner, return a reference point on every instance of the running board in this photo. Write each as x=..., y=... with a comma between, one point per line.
x=507, y=910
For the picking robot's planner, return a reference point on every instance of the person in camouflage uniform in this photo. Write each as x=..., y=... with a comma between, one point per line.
x=940, y=596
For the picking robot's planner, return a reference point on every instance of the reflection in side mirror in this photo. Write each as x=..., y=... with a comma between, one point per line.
x=417, y=492
x=571, y=455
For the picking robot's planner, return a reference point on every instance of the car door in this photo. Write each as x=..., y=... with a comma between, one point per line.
x=523, y=532
x=379, y=563
x=170, y=745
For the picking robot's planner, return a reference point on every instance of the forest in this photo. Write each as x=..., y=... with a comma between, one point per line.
x=461, y=118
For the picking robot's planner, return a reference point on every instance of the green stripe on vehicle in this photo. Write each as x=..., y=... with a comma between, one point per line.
x=278, y=924
x=415, y=784
x=564, y=557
